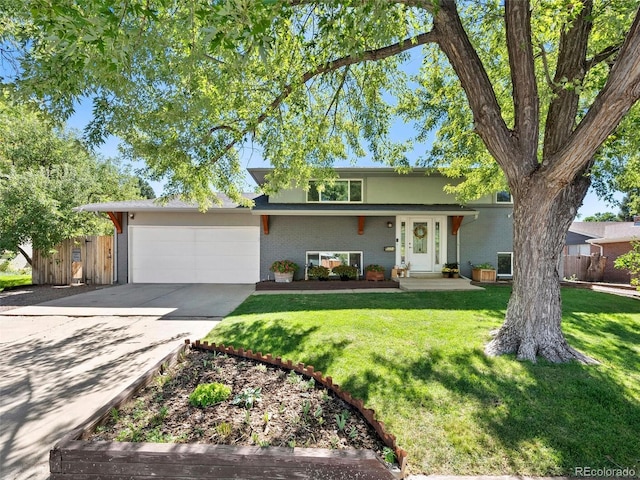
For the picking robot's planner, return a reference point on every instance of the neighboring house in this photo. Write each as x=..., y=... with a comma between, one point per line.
x=609, y=239
x=370, y=215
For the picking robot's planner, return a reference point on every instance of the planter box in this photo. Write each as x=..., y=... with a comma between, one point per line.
x=284, y=277
x=75, y=458
x=374, y=276
x=483, y=275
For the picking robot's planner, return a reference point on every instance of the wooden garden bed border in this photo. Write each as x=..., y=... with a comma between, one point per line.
x=74, y=458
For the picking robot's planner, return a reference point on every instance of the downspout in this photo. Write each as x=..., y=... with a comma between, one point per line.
x=458, y=247
x=590, y=242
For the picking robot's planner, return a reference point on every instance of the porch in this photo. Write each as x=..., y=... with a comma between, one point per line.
x=431, y=283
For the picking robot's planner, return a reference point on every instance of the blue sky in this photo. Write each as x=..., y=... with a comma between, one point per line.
x=592, y=204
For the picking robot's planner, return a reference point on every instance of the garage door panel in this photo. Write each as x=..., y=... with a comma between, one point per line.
x=225, y=249
x=240, y=234
x=194, y=254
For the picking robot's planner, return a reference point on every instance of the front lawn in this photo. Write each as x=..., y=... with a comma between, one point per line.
x=14, y=280
x=417, y=359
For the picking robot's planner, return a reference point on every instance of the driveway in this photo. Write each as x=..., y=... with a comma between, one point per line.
x=65, y=359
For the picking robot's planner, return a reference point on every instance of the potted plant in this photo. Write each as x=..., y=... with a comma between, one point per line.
x=374, y=272
x=284, y=270
x=483, y=272
x=345, y=272
x=451, y=270
x=318, y=272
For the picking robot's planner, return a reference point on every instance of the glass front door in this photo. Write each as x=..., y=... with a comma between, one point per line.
x=420, y=244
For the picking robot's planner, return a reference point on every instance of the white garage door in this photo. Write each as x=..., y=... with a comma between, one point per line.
x=194, y=254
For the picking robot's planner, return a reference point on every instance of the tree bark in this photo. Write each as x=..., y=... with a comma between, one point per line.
x=532, y=323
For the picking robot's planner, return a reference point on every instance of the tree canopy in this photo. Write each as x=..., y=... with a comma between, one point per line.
x=44, y=173
x=536, y=96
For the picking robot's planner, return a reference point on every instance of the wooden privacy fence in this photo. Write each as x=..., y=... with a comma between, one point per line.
x=77, y=260
x=586, y=268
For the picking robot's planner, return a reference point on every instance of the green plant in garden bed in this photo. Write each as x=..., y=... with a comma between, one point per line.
x=207, y=394
x=318, y=272
x=284, y=266
x=374, y=268
x=346, y=271
x=455, y=410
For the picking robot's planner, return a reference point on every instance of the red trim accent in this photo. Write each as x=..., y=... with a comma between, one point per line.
x=265, y=224
x=455, y=224
x=116, y=218
x=361, y=225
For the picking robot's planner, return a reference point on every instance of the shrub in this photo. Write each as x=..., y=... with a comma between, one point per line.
x=484, y=266
x=345, y=271
x=374, y=268
x=207, y=394
x=318, y=272
x=284, y=266
x=631, y=261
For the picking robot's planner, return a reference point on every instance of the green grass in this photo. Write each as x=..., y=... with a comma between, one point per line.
x=14, y=280
x=417, y=359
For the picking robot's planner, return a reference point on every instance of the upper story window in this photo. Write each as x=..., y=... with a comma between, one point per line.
x=504, y=197
x=341, y=191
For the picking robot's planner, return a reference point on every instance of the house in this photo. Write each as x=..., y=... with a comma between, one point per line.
x=368, y=216
x=608, y=239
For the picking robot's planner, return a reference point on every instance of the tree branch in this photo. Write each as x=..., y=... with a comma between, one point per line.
x=570, y=72
x=602, y=56
x=367, y=56
x=523, y=77
x=25, y=255
x=464, y=59
x=619, y=94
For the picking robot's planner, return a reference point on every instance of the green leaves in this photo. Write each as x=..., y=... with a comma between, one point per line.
x=44, y=173
x=187, y=85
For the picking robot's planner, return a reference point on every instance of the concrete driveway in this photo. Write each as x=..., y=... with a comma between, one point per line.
x=156, y=300
x=63, y=360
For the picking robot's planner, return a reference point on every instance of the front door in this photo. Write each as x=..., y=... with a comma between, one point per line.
x=420, y=244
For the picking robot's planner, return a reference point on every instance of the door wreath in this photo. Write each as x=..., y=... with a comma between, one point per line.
x=420, y=231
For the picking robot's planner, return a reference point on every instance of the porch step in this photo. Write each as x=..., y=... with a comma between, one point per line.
x=413, y=284
x=413, y=274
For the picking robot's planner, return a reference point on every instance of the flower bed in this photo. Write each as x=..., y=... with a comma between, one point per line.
x=73, y=457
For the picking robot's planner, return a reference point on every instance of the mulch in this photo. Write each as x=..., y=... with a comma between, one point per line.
x=326, y=285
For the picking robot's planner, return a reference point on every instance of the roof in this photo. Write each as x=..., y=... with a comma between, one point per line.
x=589, y=229
x=154, y=205
x=259, y=174
x=607, y=232
x=264, y=208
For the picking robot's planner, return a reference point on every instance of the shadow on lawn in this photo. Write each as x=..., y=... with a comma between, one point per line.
x=579, y=415
x=493, y=301
x=283, y=340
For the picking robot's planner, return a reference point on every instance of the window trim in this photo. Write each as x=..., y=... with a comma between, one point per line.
x=348, y=180
x=336, y=251
x=498, y=264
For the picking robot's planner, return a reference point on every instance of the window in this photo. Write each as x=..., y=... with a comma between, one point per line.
x=505, y=264
x=341, y=191
x=582, y=249
x=504, y=197
x=331, y=259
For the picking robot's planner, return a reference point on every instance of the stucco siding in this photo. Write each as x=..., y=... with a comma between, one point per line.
x=290, y=237
x=483, y=238
x=391, y=189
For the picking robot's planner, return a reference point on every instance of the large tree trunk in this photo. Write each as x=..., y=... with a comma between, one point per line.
x=532, y=324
